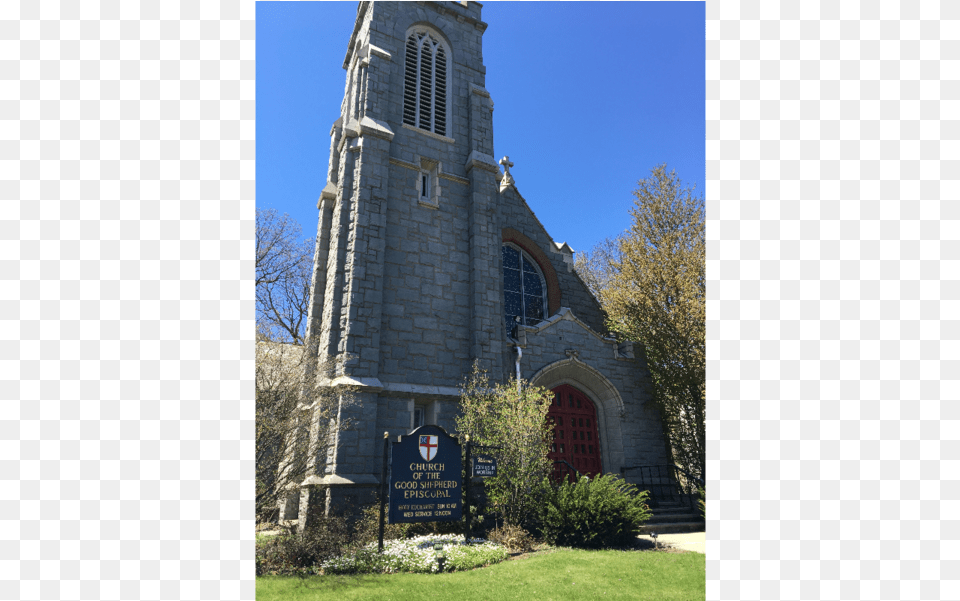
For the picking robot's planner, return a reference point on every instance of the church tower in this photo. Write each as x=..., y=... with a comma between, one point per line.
x=407, y=256
x=429, y=259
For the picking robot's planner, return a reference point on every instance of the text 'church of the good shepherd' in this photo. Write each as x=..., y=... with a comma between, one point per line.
x=428, y=257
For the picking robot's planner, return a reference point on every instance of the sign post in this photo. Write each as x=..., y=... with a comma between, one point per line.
x=383, y=488
x=466, y=492
x=425, y=477
x=480, y=466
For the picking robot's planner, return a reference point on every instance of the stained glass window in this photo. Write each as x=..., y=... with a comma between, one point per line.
x=524, y=292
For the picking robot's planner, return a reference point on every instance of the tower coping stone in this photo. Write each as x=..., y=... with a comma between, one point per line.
x=376, y=128
x=479, y=90
x=481, y=161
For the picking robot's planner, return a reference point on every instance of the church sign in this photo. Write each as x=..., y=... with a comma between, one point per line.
x=483, y=466
x=425, y=477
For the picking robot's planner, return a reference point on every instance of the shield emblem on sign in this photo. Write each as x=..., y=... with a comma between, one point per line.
x=428, y=447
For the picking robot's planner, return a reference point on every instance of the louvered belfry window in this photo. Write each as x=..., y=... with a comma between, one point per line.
x=425, y=84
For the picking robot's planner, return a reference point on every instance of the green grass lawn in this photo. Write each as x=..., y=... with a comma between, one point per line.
x=560, y=574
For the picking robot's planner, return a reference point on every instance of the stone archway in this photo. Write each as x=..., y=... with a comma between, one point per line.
x=603, y=394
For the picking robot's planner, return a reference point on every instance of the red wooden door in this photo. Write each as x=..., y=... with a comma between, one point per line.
x=575, y=435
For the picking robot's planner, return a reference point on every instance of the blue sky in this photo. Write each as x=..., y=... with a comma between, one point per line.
x=589, y=97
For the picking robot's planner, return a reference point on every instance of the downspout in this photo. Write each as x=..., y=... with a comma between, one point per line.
x=519, y=354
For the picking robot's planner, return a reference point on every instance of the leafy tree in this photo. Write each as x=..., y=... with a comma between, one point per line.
x=513, y=418
x=283, y=274
x=651, y=282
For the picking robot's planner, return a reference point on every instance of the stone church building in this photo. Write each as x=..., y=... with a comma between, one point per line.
x=428, y=258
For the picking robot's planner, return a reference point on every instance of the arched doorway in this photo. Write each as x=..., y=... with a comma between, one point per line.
x=575, y=435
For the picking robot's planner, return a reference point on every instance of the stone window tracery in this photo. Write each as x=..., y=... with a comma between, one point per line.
x=524, y=290
x=425, y=83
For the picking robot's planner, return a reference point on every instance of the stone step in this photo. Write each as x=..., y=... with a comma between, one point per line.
x=670, y=503
x=674, y=518
x=673, y=527
x=671, y=509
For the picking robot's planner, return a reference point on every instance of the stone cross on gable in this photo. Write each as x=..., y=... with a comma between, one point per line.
x=507, y=178
x=507, y=164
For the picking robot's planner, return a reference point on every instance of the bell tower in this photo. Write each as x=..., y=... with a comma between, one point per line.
x=406, y=290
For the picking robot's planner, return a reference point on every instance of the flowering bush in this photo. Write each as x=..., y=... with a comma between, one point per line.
x=418, y=555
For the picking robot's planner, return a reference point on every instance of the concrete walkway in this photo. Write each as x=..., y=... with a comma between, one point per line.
x=688, y=541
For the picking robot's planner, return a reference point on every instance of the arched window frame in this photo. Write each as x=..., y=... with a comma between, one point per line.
x=429, y=114
x=523, y=303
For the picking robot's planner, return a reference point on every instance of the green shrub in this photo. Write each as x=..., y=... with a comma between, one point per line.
x=368, y=527
x=593, y=514
x=295, y=554
x=514, y=538
x=702, y=503
x=433, y=528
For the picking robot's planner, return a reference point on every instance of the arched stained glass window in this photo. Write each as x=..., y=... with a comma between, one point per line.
x=524, y=292
x=425, y=83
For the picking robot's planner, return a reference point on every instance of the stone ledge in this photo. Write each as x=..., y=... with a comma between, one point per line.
x=375, y=128
x=455, y=178
x=365, y=384
x=622, y=351
x=565, y=314
x=421, y=389
x=404, y=164
x=341, y=480
x=329, y=192
x=441, y=175
x=371, y=50
x=375, y=385
x=481, y=161
x=351, y=129
x=429, y=134
x=479, y=90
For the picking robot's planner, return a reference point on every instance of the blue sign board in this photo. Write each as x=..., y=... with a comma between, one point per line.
x=483, y=466
x=425, y=477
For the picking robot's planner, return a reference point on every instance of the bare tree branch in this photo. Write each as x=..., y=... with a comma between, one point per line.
x=292, y=436
x=284, y=264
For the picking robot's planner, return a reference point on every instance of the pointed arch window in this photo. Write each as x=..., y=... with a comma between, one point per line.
x=524, y=292
x=425, y=83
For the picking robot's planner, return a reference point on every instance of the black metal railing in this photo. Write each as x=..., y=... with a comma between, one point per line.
x=563, y=471
x=666, y=483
